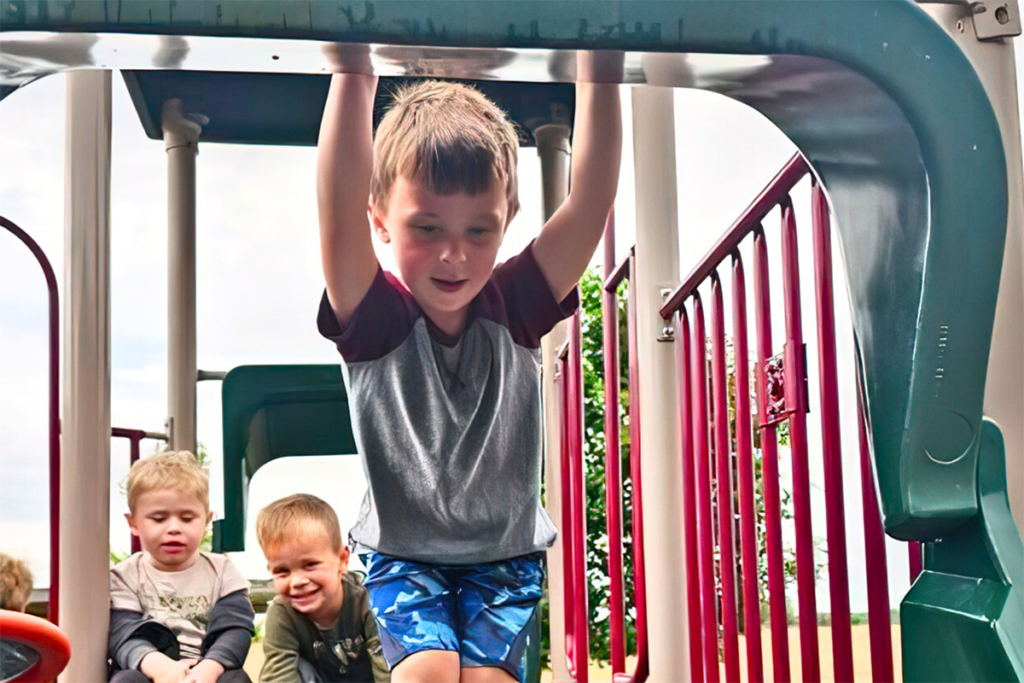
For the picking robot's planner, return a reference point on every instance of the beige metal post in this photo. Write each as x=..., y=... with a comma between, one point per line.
x=1004, y=387
x=85, y=423
x=181, y=141
x=553, y=150
x=657, y=265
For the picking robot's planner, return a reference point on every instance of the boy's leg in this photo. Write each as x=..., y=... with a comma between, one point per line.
x=129, y=676
x=414, y=605
x=495, y=603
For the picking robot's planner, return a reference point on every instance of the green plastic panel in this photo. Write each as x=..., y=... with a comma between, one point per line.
x=963, y=619
x=270, y=412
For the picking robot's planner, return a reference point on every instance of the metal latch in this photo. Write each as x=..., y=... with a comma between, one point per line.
x=994, y=19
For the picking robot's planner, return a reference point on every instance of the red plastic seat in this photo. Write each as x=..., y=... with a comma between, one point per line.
x=47, y=640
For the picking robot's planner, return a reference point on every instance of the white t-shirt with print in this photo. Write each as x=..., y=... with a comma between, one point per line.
x=181, y=600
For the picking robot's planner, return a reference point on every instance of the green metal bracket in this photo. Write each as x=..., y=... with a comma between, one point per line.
x=270, y=412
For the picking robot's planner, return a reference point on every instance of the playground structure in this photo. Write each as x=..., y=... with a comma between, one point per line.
x=923, y=177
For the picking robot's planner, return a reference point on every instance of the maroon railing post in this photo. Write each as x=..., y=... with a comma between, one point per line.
x=53, y=405
x=838, y=577
x=612, y=454
x=705, y=528
x=580, y=651
x=568, y=560
x=770, y=468
x=879, y=619
x=795, y=374
x=682, y=349
x=723, y=476
x=635, y=450
x=745, y=468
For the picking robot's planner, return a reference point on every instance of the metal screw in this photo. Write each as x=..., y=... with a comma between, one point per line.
x=668, y=334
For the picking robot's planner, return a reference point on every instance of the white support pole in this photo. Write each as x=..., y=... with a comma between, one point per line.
x=553, y=150
x=657, y=265
x=181, y=142
x=85, y=425
x=1004, y=387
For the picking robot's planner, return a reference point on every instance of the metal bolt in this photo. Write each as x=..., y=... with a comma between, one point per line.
x=1002, y=15
x=960, y=26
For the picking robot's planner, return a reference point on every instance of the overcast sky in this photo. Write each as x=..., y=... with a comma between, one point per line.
x=259, y=283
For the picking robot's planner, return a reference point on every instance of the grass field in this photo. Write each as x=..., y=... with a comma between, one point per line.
x=861, y=657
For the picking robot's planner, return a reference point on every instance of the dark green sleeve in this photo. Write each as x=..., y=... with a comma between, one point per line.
x=280, y=647
x=381, y=674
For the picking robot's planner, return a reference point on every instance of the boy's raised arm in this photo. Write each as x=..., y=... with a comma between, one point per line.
x=343, y=167
x=569, y=238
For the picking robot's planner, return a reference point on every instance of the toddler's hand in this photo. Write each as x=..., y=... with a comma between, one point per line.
x=206, y=671
x=162, y=669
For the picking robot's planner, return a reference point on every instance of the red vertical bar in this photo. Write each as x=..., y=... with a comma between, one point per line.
x=745, y=468
x=770, y=468
x=639, y=568
x=838, y=576
x=723, y=452
x=879, y=620
x=684, y=368
x=568, y=560
x=578, y=550
x=916, y=563
x=612, y=457
x=136, y=543
x=795, y=374
x=705, y=531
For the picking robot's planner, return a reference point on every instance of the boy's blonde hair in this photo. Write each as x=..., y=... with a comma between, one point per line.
x=281, y=520
x=15, y=583
x=178, y=470
x=448, y=136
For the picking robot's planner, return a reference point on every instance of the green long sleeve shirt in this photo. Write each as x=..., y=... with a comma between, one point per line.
x=350, y=652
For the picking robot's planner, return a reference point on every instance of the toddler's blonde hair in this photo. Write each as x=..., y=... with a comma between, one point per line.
x=177, y=470
x=15, y=583
x=281, y=519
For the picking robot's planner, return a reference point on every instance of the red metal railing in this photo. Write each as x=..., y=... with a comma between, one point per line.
x=574, y=533
x=718, y=458
x=615, y=276
x=135, y=436
x=53, y=344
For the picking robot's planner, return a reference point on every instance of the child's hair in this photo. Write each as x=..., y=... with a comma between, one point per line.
x=15, y=583
x=178, y=470
x=279, y=520
x=448, y=136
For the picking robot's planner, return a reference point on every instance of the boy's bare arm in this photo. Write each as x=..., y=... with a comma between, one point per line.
x=569, y=238
x=343, y=167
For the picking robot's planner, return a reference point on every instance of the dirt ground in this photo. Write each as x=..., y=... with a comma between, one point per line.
x=861, y=657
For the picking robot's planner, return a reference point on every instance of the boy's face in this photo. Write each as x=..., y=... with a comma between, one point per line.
x=307, y=573
x=170, y=525
x=444, y=245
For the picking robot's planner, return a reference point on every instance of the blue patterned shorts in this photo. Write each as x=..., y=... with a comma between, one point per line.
x=480, y=611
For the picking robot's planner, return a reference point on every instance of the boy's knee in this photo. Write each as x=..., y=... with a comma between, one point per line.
x=129, y=676
x=234, y=676
x=428, y=666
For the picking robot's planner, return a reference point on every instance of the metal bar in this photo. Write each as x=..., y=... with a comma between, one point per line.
x=613, y=457
x=774, y=193
x=770, y=469
x=879, y=619
x=723, y=475
x=53, y=408
x=914, y=549
x=795, y=379
x=618, y=274
x=641, y=671
x=745, y=468
x=682, y=349
x=577, y=639
x=705, y=530
x=838, y=576
x=568, y=558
